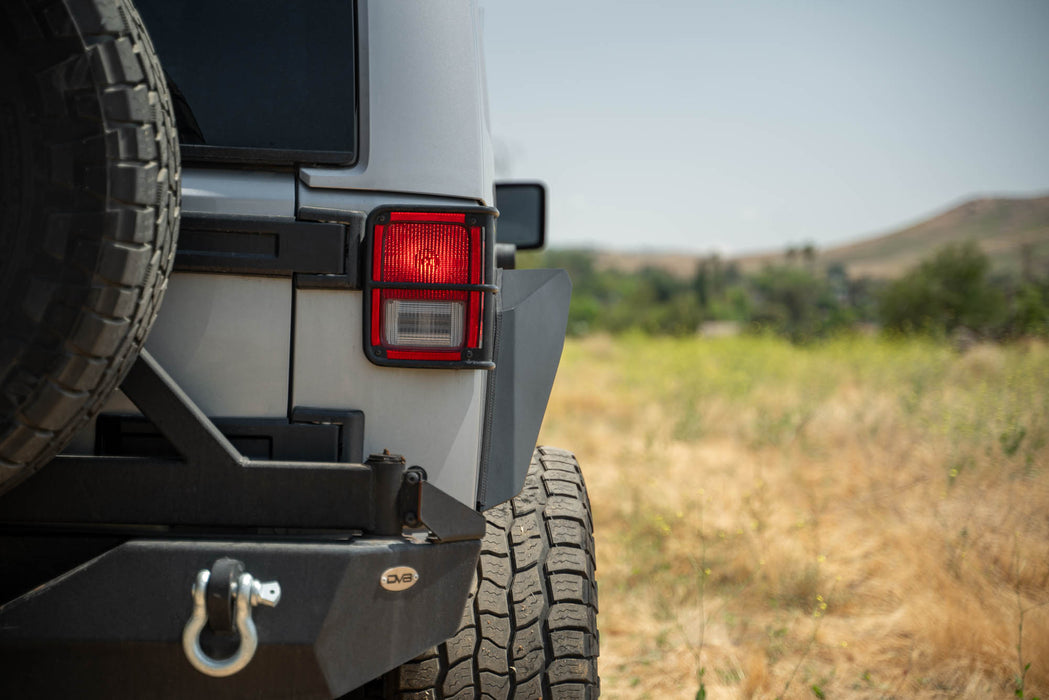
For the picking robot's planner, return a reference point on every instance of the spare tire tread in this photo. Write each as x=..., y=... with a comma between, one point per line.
x=107, y=177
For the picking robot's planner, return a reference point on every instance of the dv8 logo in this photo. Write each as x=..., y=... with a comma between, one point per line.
x=399, y=578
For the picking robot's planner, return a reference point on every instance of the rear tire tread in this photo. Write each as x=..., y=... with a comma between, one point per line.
x=531, y=622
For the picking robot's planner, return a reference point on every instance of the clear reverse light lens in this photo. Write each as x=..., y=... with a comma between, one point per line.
x=423, y=324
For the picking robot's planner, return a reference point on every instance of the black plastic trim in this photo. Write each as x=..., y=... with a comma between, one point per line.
x=349, y=422
x=262, y=246
x=119, y=435
x=350, y=278
x=470, y=358
x=196, y=153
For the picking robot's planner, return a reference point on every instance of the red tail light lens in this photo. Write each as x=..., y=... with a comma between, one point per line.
x=426, y=287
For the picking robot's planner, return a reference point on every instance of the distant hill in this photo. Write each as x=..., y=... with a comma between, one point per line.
x=1008, y=230
x=1014, y=232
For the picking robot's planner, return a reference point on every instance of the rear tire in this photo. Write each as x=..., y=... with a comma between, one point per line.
x=530, y=626
x=89, y=204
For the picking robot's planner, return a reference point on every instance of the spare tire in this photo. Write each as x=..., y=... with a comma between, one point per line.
x=89, y=205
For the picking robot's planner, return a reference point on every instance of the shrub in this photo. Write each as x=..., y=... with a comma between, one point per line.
x=948, y=291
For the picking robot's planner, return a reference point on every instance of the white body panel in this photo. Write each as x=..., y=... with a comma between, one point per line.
x=423, y=103
x=227, y=340
x=432, y=417
x=240, y=192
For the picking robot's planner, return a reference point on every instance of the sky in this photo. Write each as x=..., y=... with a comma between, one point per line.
x=747, y=125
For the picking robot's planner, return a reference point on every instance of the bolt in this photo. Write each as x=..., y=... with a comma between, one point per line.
x=265, y=593
x=411, y=519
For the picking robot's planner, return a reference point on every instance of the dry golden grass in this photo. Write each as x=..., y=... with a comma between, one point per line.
x=864, y=518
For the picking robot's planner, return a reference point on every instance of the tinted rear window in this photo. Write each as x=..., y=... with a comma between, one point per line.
x=259, y=79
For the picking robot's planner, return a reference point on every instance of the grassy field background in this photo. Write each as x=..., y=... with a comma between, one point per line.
x=860, y=518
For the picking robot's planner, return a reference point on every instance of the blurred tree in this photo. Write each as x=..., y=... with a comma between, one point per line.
x=794, y=302
x=948, y=291
x=660, y=286
x=953, y=289
x=1030, y=310
x=808, y=254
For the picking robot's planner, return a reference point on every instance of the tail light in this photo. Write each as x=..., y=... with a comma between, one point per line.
x=427, y=288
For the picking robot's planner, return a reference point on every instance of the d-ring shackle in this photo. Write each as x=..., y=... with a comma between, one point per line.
x=247, y=593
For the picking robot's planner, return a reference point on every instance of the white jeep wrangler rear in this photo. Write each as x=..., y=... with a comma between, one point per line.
x=318, y=476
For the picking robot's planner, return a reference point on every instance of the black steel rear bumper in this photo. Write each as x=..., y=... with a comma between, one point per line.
x=113, y=627
x=98, y=557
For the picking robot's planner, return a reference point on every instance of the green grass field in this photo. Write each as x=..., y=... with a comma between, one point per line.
x=860, y=518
